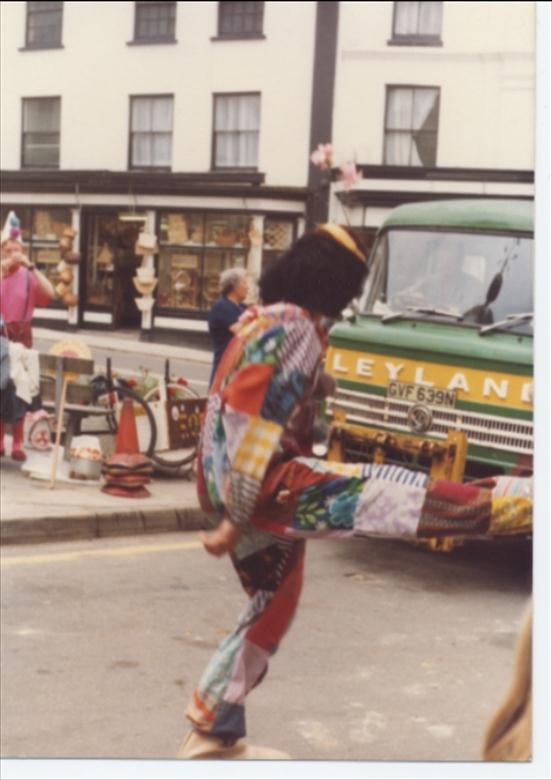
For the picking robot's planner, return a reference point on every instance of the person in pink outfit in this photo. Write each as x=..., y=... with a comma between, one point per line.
x=22, y=288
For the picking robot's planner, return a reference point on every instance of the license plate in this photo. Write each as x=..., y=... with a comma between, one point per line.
x=420, y=394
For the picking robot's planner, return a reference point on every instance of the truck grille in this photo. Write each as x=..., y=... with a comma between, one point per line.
x=482, y=429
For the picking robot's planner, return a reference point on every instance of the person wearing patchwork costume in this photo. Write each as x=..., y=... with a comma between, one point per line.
x=267, y=495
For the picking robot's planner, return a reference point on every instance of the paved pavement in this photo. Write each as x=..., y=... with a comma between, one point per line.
x=31, y=512
x=126, y=341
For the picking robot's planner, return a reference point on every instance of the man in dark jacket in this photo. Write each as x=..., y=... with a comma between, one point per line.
x=225, y=311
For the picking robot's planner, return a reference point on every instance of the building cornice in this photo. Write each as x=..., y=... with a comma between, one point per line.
x=418, y=173
x=392, y=198
x=217, y=183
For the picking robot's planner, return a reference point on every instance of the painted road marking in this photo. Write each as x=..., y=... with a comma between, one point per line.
x=35, y=560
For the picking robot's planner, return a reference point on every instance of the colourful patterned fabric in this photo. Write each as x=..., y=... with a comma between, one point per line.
x=511, y=515
x=272, y=576
x=268, y=368
x=250, y=470
x=454, y=509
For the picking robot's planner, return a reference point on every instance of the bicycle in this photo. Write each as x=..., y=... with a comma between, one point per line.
x=111, y=392
x=179, y=412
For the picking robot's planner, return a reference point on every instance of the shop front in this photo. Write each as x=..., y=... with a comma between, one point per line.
x=109, y=265
x=92, y=243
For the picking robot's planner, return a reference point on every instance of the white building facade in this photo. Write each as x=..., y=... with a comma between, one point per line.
x=193, y=122
x=443, y=100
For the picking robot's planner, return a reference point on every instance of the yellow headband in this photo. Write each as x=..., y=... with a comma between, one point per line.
x=342, y=237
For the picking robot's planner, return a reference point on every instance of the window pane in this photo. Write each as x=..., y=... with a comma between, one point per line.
x=425, y=109
x=161, y=149
x=155, y=20
x=430, y=18
x=151, y=128
x=223, y=117
x=399, y=108
x=179, y=279
x=249, y=110
x=422, y=19
x=237, y=119
x=141, y=117
x=425, y=148
x=50, y=223
x=162, y=110
x=226, y=149
x=41, y=149
x=237, y=112
x=141, y=149
x=38, y=6
x=411, y=126
x=248, y=143
x=406, y=18
x=44, y=23
x=41, y=114
x=397, y=148
x=241, y=18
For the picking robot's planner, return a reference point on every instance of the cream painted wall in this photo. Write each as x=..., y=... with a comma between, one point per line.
x=485, y=70
x=96, y=72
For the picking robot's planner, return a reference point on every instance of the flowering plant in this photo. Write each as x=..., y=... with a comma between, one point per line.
x=323, y=158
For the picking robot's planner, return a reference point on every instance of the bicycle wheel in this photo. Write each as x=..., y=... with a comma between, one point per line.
x=173, y=462
x=147, y=423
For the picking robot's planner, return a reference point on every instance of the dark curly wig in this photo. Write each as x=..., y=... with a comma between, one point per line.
x=318, y=273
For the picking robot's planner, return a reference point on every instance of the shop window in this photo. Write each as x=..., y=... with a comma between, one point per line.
x=154, y=22
x=111, y=263
x=194, y=249
x=417, y=24
x=41, y=230
x=41, y=136
x=411, y=123
x=43, y=25
x=240, y=20
x=278, y=237
x=151, y=120
x=236, y=131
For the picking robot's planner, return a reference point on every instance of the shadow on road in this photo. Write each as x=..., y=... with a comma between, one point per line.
x=476, y=566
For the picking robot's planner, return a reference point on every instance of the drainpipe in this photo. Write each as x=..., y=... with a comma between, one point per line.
x=322, y=103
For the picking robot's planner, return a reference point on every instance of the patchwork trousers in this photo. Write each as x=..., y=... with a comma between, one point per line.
x=306, y=498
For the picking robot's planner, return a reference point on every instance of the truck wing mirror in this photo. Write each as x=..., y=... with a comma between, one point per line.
x=494, y=288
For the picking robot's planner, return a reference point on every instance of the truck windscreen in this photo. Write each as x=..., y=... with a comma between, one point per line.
x=481, y=278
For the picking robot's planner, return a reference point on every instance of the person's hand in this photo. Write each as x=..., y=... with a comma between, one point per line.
x=222, y=540
x=9, y=264
x=17, y=258
x=21, y=259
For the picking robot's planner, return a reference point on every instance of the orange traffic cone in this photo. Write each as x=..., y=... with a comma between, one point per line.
x=127, y=471
x=127, y=435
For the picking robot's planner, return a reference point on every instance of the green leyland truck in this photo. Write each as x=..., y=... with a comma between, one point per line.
x=434, y=370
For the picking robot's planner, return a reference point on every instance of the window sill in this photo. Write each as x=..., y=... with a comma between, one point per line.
x=150, y=169
x=42, y=47
x=256, y=37
x=415, y=40
x=39, y=167
x=235, y=169
x=152, y=42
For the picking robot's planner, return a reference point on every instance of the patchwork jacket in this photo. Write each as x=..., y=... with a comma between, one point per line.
x=259, y=406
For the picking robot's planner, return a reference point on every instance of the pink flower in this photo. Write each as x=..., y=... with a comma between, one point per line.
x=322, y=156
x=349, y=174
